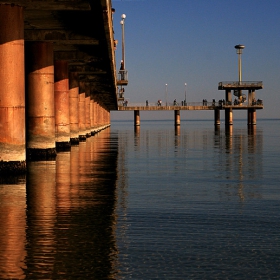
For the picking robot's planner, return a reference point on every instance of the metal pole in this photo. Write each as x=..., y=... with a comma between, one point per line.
x=185, y=93
x=239, y=66
x=166, y=94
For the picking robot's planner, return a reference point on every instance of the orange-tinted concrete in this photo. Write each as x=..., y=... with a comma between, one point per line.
x=62, y=106
x=74, y=107
x=177, y=120
x=228, y=116
x=87, y=116
x=252, y=117
x=82, y=116
x=40, y=123
x=217, y=117
x=12, y=90
x=136, y=118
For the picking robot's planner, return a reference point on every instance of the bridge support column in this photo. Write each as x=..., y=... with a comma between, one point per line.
x=12, y=107
x=228, y=116
x=40, y=114
x=252, y=117
x=91, y=109
x=61, y=101
x=177, y=117
x=136, y=118
x=74, y=107
x=82, y=114
x=217, y=117
x=87, y=110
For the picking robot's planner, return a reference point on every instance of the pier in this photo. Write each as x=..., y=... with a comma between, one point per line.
x=228, y=105
x=58, y=77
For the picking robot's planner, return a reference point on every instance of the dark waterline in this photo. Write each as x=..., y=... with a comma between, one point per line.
x=149, y=203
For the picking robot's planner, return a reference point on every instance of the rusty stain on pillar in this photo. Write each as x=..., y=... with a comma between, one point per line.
x=61, y=101
x=74, y=107
x=177, y=117
x=40, y=124
x=82, y=113
x=12, y=90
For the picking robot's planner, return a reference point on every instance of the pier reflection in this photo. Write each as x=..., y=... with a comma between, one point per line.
x=12, y=231
x=60, y=224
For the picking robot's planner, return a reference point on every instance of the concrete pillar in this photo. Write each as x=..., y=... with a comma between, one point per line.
x=87, y=116
x=252, y=117
x=177, y=117
x=136, y=117
x=61, y=101
x=74, y=107
x=91, y=109
x=40, y=124
x=228, y=97
x=82, y=114
x=12, y=90
x=217, y=117
x=228, y=116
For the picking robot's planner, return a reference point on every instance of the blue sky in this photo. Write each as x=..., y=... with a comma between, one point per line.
x=192, y=41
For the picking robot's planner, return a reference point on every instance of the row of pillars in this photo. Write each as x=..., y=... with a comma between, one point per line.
x=251, y=116
x=252, y=120
x=43, y=107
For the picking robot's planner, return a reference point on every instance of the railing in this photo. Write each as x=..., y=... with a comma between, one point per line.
x=242, y=83
x=216, y=104
x=123, y=75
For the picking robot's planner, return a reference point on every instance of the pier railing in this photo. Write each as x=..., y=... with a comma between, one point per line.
x=183, y=105
x=240, y=85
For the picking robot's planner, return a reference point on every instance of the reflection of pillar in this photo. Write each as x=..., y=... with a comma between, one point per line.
x=63, y=182
x=41, y=219
x=228, y=133
x=12, y=231
x=136, y=117
x=40, y=100
x=82, y=114
x=61, y=101
x=217, y=117
x=74, y=107
x=137, y=130
x=12, y=104
x=177, y=117
x=177, y=130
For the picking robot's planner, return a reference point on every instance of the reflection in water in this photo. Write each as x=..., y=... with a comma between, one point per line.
x=41, y=219
x=61, y=225
x=12, y=231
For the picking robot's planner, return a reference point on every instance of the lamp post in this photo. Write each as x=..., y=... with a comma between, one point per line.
x=123, y=16
x=239, y=49
x=166, y=94
x=185, y=94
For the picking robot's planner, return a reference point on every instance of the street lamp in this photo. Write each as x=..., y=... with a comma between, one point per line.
x=123, y=16
x=185, y=94
x=239, y=49
x=166, y=94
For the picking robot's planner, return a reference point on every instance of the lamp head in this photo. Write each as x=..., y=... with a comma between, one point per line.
x=123, y=16
x=239, y=48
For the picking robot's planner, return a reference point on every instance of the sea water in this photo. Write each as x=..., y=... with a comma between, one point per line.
x=153, y=202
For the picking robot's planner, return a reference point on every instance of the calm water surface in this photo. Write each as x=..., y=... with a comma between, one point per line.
x=151, y=203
